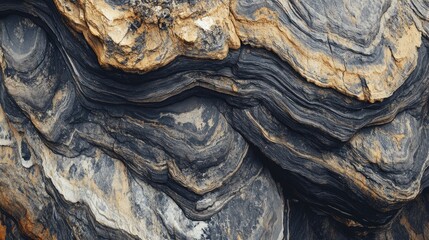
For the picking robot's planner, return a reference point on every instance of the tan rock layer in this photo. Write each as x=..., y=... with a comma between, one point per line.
x=365, y=50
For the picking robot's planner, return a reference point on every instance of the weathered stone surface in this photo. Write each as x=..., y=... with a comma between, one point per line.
x=227, y=144
x=145, y=35
x=364, y=49
x=302, y=223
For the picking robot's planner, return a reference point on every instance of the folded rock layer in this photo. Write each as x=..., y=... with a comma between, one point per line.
x=213, y=119
x=363, y=49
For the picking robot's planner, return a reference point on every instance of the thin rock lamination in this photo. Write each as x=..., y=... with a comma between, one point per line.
x=242, y=147
x=363, y=49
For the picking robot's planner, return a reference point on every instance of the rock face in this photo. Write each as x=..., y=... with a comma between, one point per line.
x=214, y=119
x=364, y=49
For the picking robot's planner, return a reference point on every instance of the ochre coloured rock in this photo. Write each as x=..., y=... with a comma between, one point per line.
x=364, y=49
x=184, y=119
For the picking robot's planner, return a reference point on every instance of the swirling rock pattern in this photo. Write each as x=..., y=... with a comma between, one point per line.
x=364, y=49
x=135, y=120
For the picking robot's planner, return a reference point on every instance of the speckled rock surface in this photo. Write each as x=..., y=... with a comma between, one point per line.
x=214, y=119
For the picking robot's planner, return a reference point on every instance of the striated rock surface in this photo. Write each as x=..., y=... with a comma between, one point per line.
x=364, y=49
x=214, y=119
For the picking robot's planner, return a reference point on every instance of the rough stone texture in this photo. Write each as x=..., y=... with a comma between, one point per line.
x=196, y=141
x=364, y=49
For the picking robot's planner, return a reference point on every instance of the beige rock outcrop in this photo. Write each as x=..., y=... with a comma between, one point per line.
x=362, y=49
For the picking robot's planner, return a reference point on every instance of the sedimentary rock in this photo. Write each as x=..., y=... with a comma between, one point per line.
x=213, y=119
x=363, y=49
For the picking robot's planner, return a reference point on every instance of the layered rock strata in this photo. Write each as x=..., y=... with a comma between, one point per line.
x=213, y=119
x=363, y=49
